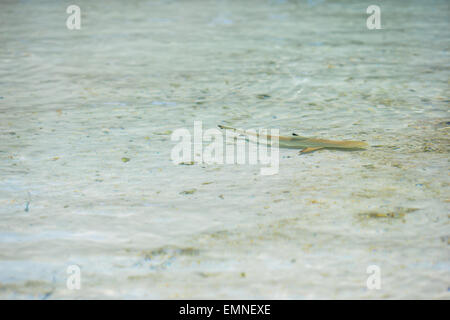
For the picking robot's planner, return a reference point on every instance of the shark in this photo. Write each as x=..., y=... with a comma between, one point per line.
x=304, y=143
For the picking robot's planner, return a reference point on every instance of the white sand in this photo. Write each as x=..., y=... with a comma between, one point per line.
x=74, y=103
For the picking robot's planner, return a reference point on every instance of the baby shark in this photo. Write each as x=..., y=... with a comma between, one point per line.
x=208, y=147
x=305, y=144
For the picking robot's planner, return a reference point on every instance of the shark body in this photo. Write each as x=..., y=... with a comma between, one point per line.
x=304, y=143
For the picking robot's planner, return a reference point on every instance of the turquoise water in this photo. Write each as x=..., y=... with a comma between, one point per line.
x=86, y=176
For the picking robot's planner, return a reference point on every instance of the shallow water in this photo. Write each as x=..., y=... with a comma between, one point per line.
x=75, y=103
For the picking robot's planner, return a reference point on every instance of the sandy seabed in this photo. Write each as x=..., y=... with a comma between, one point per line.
x=86, y=176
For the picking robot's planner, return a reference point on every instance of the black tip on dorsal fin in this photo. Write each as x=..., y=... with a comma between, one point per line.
x=294, y=134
